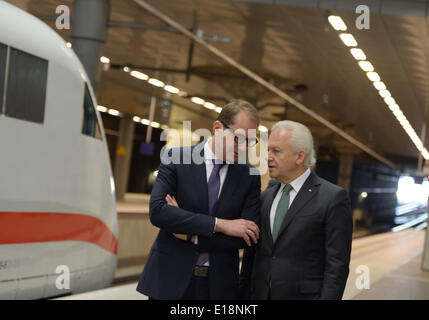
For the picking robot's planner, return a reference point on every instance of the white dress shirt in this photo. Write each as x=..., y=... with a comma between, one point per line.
x=296, y=186
x=208, y=159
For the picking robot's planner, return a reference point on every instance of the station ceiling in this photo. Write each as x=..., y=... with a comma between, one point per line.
x=292, y=47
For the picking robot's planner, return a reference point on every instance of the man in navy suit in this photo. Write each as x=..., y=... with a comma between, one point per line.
x=206, y=210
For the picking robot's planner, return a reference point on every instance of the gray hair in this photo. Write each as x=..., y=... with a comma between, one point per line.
x=301, y=139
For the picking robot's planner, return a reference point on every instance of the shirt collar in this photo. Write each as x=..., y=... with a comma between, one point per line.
x=298, y=182
x=208, y=153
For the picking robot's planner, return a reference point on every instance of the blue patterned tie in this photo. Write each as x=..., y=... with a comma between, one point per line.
x=213, y=186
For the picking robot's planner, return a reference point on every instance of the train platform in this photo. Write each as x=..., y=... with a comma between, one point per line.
x=392, y=259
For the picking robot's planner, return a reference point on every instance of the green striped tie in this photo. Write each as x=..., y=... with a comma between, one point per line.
x=281, y=210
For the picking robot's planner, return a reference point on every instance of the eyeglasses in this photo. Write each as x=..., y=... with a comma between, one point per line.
x=240, y=138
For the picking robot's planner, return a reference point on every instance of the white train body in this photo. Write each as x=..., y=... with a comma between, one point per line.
x=57, y=205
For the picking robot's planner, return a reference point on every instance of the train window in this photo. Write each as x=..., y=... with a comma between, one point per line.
x=26, y=87
x=90, y=125
x=3, y=52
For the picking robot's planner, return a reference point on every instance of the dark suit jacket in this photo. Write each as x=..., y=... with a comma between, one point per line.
x=310, y=259
x=171, y=261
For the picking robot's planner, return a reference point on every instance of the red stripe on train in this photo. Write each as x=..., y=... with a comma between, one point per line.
x=27, y=227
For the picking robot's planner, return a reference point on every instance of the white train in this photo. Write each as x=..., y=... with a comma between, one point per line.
x=57, y=204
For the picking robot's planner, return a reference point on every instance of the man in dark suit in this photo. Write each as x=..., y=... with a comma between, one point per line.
x=306, y=226
x=206, y=211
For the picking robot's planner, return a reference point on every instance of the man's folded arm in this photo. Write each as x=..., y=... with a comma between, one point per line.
x=170, y=218
x=251, y=212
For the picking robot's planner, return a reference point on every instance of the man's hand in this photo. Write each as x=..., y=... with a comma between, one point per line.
x=172, y=202
x=242, y=228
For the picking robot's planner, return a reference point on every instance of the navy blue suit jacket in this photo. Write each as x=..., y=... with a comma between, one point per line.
x=171, y=261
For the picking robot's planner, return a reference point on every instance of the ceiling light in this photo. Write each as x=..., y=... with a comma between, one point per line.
x=102, y=108
x=337, y=23
x=209, y=105
x=171, y=89
x=104, y=59
x=113, y=112
x=136, y=119
x=389, y=101
x=156, y=82
x=126, y=69
x=197, y=100
x=155, y=124
x=384, y=93
x=394, y=107
x=145, y=122
x=358, y=54
x=425, y=154
x=348, y=39
x=68, y=44
x=373, y=76
x=139, y=75
x=218, y=109
x=263, y=128
x=379, y=85
x=366, y=66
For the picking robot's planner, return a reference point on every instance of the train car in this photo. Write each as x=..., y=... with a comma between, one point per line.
x=58, y=220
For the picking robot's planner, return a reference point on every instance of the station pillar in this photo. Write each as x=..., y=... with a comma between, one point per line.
x=345, y=170
x=89, y=33
x=123, y=155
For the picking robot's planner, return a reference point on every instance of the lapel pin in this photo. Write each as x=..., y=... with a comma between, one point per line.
x=309, y=190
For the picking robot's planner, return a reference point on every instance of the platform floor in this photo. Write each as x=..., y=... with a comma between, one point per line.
x=393, y=259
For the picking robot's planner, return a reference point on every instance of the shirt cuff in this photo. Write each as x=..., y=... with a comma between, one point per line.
x=196, y=236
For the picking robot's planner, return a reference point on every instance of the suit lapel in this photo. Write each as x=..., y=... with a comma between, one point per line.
x=200, y=178
x=308, y=190
x=231, y=180
x=266, y=209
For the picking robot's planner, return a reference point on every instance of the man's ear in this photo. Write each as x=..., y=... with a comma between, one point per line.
x=301, y=157
x=217, y=125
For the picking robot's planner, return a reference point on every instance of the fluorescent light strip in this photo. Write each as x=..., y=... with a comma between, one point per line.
x=139, y=75
x=366, y=66
x=171, y=89
x=102, y=108
x=373, y=76
x=104, y=59
x=155, y=124
x=384, y=93
x=348, y=39
x=113, y=112
x=263, y=128
x=358, y=54
x=209, y=105
x=337, y=23
x=197, y=100
x=156, y=82
x=379, y=85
